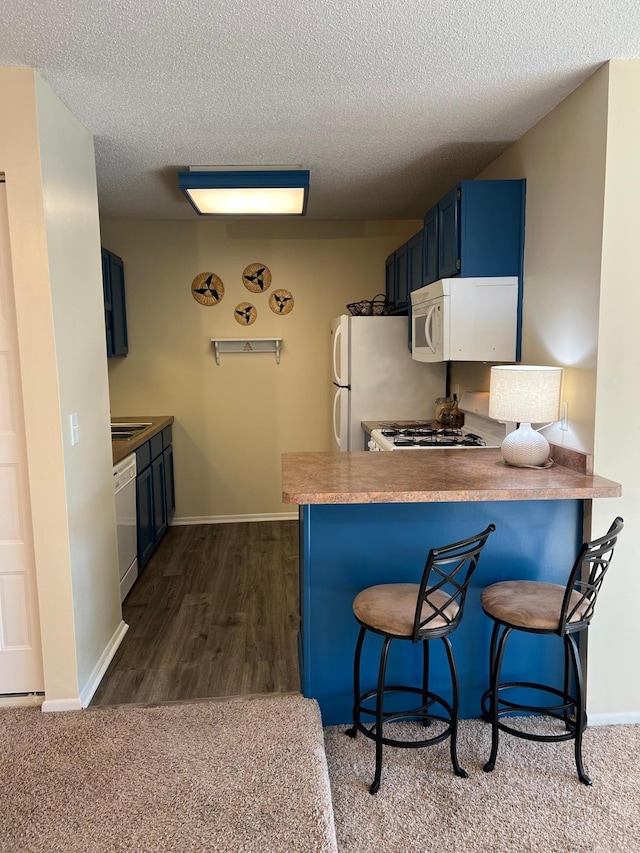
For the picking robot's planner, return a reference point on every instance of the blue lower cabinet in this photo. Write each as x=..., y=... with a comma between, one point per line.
x=144, y=509
x=159, y=498
x=169, y=486
x=155, y=493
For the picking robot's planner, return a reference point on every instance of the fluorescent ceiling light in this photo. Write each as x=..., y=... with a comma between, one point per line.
x=246, y=191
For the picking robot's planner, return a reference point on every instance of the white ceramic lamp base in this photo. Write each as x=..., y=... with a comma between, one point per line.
x=525, y=447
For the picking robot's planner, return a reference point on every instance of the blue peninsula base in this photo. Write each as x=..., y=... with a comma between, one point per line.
x=347, y=547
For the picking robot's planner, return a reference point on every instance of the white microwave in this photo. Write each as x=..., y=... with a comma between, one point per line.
x=465, y=319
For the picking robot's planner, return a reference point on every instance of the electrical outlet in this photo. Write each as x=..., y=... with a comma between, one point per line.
x=564, y=416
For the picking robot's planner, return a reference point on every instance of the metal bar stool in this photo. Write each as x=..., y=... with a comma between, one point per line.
x=546, y=608
x=426, y=611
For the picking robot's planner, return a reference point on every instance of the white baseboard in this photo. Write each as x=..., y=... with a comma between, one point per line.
x=70, y=704
x=22, y=700
x=227, y=519
x=617, y=719
x=101, y=667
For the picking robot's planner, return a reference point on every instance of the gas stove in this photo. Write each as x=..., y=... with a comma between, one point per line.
x=479, y=430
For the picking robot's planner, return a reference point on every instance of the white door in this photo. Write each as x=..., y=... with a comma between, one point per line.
x=20, y=649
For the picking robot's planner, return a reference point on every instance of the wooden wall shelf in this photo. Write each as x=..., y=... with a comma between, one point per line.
x=247, y=345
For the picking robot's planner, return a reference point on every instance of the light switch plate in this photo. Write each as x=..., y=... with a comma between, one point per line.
x=75, y=432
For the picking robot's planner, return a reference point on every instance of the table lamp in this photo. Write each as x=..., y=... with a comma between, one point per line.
x=526, y=394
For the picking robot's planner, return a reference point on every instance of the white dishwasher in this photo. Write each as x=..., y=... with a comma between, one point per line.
x=124, y=487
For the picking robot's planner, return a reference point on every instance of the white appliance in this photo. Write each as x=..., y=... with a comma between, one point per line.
x=479, y=430
x=124, y=487
x=465, y=319
x=375, y=377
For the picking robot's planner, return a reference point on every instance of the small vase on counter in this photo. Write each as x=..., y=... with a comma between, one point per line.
x=456, y=417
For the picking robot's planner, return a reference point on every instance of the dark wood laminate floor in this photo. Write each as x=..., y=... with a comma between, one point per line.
x=214, y=613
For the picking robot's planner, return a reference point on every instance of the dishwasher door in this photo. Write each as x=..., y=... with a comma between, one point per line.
x=124, y=487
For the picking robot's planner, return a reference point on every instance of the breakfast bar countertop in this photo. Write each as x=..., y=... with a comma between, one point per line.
x=432, y=476
x=123, y=447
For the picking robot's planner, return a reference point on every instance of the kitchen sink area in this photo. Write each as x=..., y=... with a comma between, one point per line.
x=127, y=431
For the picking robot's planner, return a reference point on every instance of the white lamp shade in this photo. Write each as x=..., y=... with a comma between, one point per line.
x=525, y=393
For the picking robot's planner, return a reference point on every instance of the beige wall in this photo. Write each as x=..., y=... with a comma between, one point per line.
x=47, y=157
x=233, y=421
x=562, y=157
x=614, y=641
x=581, y=299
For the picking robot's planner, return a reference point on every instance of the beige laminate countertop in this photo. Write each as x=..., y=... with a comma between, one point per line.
x=123, y=447
x=436, y=476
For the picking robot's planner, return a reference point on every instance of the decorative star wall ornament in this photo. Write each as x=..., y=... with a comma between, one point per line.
x=245, y=313
x=257, y=278
x=207, y=288
x=281, y=302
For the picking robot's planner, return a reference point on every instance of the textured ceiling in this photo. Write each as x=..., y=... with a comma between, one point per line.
x=387, y=102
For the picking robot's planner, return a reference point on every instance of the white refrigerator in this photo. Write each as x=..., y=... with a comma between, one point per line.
x=375, y=378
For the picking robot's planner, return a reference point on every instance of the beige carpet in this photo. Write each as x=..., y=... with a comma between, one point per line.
x=246, y=775
x=532, y=801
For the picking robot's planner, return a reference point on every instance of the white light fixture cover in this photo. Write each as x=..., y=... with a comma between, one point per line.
x=526, y=394
x=246, y=190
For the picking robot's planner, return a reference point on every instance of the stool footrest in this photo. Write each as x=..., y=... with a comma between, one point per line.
x=563, y=711
x=421, y=713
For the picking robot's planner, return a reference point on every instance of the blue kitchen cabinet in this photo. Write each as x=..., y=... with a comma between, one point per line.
x=115, y=309
x=476, y=229
x=415, y=263
x=390, y=277
x=430, y=247
x=401, y=279
x=144, y=513
x=480, y=229
x=404, y=273
x=169, y=486
x=155, y=505
x=159, y=498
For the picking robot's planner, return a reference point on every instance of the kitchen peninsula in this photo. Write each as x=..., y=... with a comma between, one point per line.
x=370, y=518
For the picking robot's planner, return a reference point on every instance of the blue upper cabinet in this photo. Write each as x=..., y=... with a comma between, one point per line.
x=476, y=229
x=404, y=273
x=449, y=262
x=401, y=278
x=115, y=310
x=481, y=229
x=430, y=247
x=414, y=263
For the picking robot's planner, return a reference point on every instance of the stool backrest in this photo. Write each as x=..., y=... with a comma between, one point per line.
x=447, y=573
x=587, y=574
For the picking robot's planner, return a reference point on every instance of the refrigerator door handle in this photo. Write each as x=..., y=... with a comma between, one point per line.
x=336, y=367
x=336, y=400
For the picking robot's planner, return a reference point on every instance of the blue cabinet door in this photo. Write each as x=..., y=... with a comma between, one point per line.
x=449, y=234
x=108, y=307
x=414, y=262
x=390, y=277
x=402, y=278
x=144, y=516
x=415, y=273
x=169, y=487
x=119, y=310
x=115, y=309
x=491, y=228
x=430, y=247
x=159, y=499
